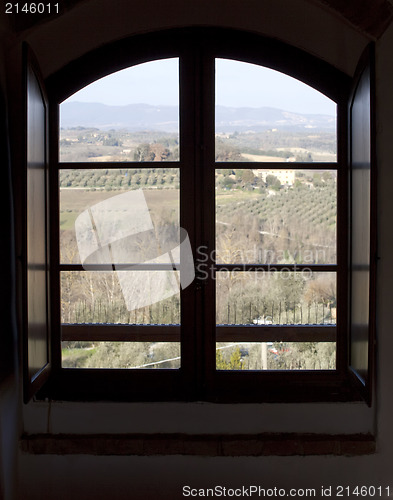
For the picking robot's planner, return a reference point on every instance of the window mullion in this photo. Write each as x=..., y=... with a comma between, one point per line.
x=208, y=242
x=188, y=206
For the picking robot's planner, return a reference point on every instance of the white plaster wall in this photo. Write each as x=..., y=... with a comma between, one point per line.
x=96, y=22
x=205, y=418
x=162, y=478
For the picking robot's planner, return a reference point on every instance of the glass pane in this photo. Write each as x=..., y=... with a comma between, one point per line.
x=275, y=298
x=266, y=116
x=120, y=297
x=137, y=209
x=148, y=355
x=276, y=356
x=131, y=115
x=276, y=216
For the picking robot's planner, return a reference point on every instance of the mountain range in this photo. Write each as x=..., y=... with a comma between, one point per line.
x=136, y=117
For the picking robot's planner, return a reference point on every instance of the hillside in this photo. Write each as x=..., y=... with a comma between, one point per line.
x=134, y=117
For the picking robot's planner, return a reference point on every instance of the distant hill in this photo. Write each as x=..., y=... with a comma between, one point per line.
x=229, y=119
x=131, y=117
x=135, y=117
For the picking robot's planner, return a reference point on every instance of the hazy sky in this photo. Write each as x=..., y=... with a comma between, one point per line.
x=237, y=84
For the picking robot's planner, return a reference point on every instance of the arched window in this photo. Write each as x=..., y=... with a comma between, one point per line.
x=220, y=273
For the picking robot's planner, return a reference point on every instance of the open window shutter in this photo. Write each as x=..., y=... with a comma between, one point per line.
x=36, y=345
x=363, y=225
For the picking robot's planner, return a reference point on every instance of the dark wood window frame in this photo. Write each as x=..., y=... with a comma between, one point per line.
x=197, y=379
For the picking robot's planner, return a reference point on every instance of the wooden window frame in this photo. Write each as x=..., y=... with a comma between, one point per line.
x=35, y=220
x=198, y=379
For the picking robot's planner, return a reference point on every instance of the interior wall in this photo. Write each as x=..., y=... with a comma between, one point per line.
x=384, y=125
x=10, y=407
x=96, y=22
x=163, y=478
x=304, y=25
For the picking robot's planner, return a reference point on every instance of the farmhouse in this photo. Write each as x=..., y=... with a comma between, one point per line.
x=286, y=177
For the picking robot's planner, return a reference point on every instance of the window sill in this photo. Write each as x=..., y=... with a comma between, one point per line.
x=212, y=445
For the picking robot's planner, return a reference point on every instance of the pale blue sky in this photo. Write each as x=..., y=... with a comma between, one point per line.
x=237, y=84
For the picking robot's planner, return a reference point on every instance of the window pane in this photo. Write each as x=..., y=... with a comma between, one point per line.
x=275, y=298
x=276, y=356
x=126, y=298
x=276, y=217
x=130, y=115
x=120, y=297
x=147, y=355
x=263, y=115
x=261, y=300
x=138, y=209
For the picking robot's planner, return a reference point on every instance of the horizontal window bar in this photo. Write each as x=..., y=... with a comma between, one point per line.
x=103, y=165
x=258, y=165
x=360, y=267
x=171, y=333
x=218, y=267
x=120, y=333
x=120, y=267
x=275, y=333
